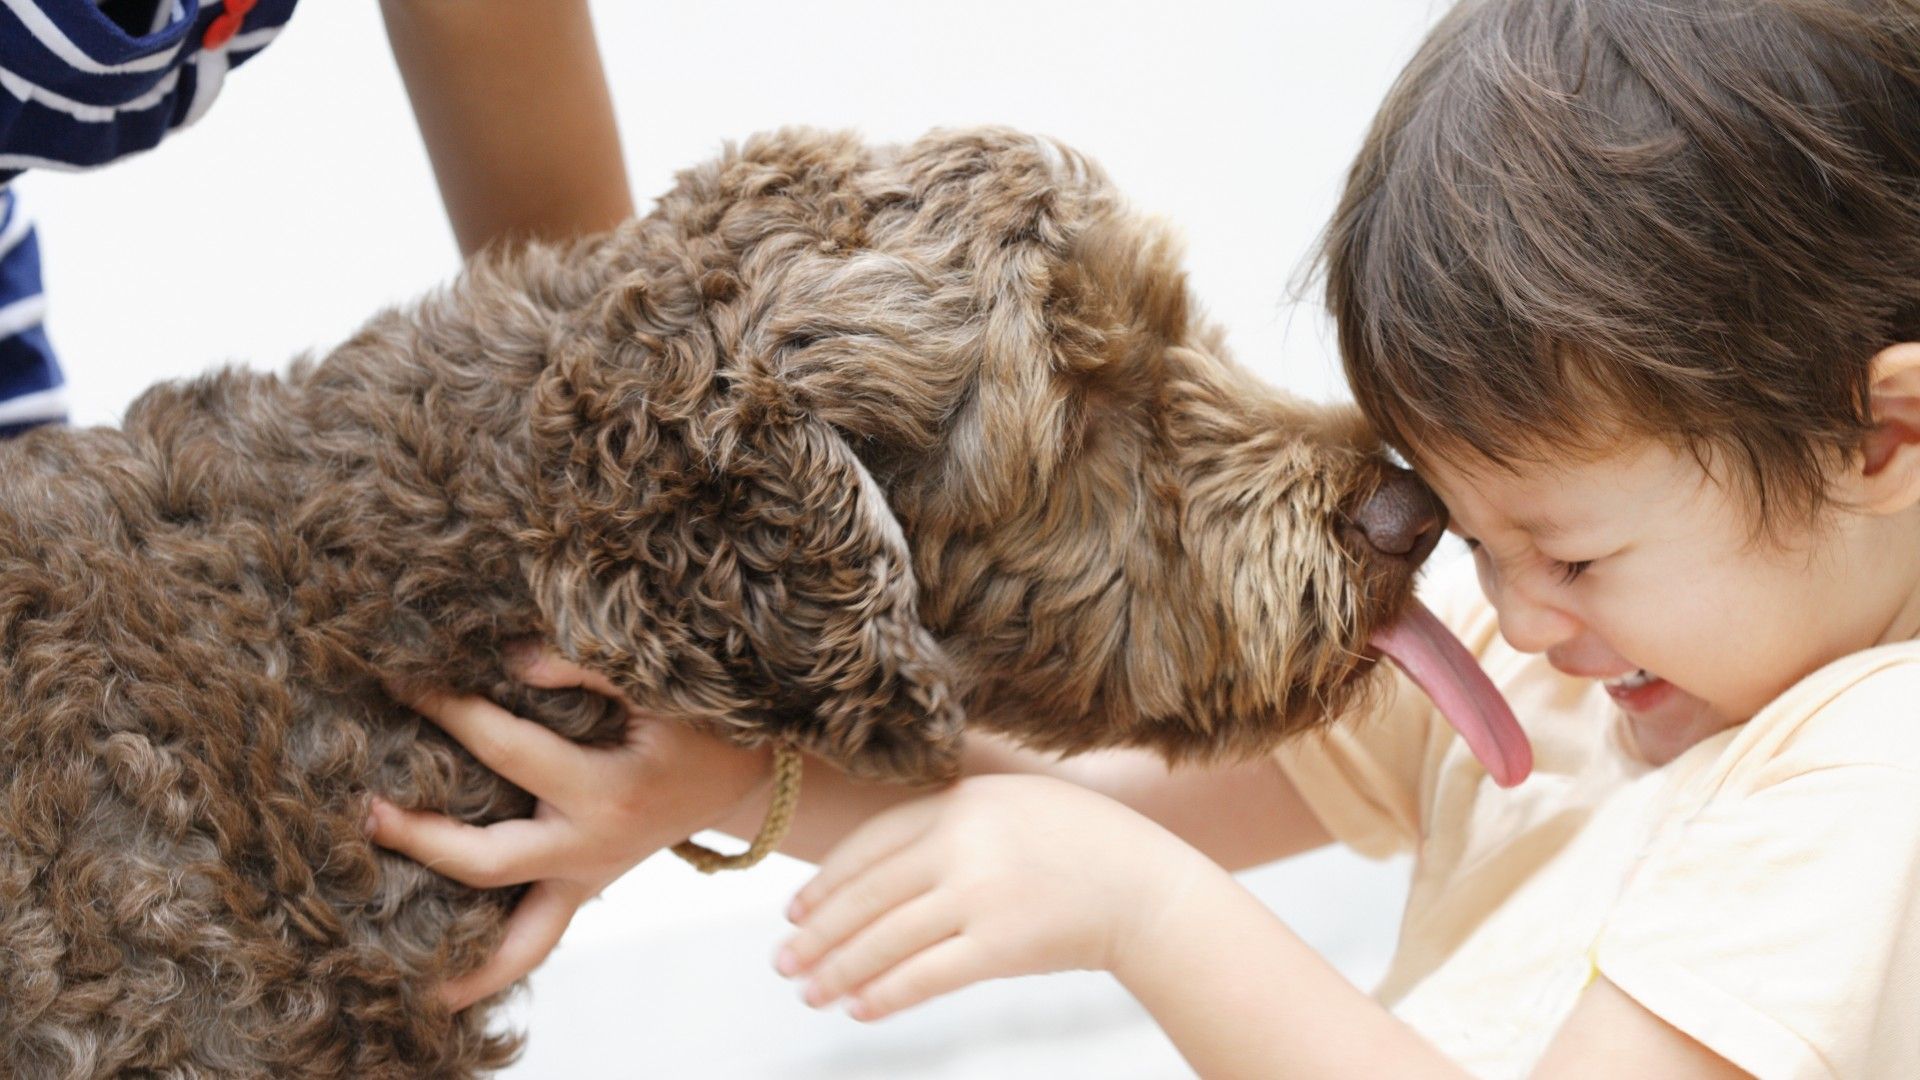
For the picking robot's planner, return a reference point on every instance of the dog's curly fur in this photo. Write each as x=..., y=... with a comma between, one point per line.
x=837, y=443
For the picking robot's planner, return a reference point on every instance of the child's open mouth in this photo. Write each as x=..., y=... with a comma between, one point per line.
x=1428, y=652
x=1637, y=691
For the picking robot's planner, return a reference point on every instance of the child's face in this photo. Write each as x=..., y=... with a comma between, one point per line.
x=1641, y=565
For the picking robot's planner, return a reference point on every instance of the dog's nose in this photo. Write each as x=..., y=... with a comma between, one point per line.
x=1404, y=518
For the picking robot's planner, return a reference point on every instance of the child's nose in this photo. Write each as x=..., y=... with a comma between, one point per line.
x=1527, y=621
x=1529, y=625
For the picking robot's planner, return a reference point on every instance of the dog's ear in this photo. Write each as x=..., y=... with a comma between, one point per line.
x=828, y=603
x=741, y=570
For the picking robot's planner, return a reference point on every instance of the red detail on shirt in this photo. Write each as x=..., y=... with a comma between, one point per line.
x=221, y=29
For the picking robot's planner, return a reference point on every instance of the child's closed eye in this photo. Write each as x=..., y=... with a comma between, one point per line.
x=1567, y=570
x=1571, y=571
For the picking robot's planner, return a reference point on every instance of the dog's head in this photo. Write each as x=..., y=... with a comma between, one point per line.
x=1023, y=437
x=1122, y=537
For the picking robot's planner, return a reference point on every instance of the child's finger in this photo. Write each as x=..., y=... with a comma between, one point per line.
x=538, y=761
x=949, y=965
x=882, y=836
x=896, y=880
x=509, y=852
x=899, y=933
x=540, y=665
x=532, y=931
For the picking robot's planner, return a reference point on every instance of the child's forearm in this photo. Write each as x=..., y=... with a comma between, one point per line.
x=513, y=106
x=1239, y=815
x=833, y=804
x=1242, y=996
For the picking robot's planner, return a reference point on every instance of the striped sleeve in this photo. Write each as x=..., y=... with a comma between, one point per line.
x=85, y=84
x=31, y=389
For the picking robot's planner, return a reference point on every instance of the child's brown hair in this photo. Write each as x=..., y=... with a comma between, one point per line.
x=1580, y=220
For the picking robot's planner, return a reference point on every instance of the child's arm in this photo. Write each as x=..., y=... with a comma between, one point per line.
x=1241, y=995
x=1239, y=815
x=1002, y=876
x=513, y=106
x=601, y=811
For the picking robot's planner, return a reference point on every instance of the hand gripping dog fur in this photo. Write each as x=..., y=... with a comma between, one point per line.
x=837, y=446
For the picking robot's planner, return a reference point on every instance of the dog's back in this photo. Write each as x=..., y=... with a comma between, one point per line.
x=188, y=728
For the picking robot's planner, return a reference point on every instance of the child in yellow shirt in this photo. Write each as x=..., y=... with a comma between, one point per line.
x=1635, y=285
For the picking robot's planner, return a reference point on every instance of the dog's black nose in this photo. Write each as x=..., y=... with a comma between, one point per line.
x=1404, y=518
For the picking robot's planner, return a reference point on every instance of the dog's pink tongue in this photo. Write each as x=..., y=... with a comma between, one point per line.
x=1428, y=652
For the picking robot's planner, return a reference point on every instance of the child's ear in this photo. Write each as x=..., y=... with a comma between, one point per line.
x=1889, y=476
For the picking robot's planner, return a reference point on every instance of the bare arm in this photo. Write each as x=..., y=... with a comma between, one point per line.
x=998, y=876
x=1242, y=996
x=602, y=810
x=513, y=106
x=1238, y=815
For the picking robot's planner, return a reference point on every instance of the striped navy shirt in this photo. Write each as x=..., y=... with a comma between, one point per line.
x=84, y=83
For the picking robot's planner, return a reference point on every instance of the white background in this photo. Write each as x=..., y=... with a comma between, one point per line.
x=303, y=203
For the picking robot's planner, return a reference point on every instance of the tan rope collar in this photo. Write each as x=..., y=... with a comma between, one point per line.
x=786, y=796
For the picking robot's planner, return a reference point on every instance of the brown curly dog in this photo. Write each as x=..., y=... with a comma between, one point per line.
x=837, y=446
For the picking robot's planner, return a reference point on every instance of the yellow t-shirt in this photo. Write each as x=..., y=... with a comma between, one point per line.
x=1761, y=892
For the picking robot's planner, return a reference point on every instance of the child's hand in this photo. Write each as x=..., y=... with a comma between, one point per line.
x=600, y=811
x=996, y=876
